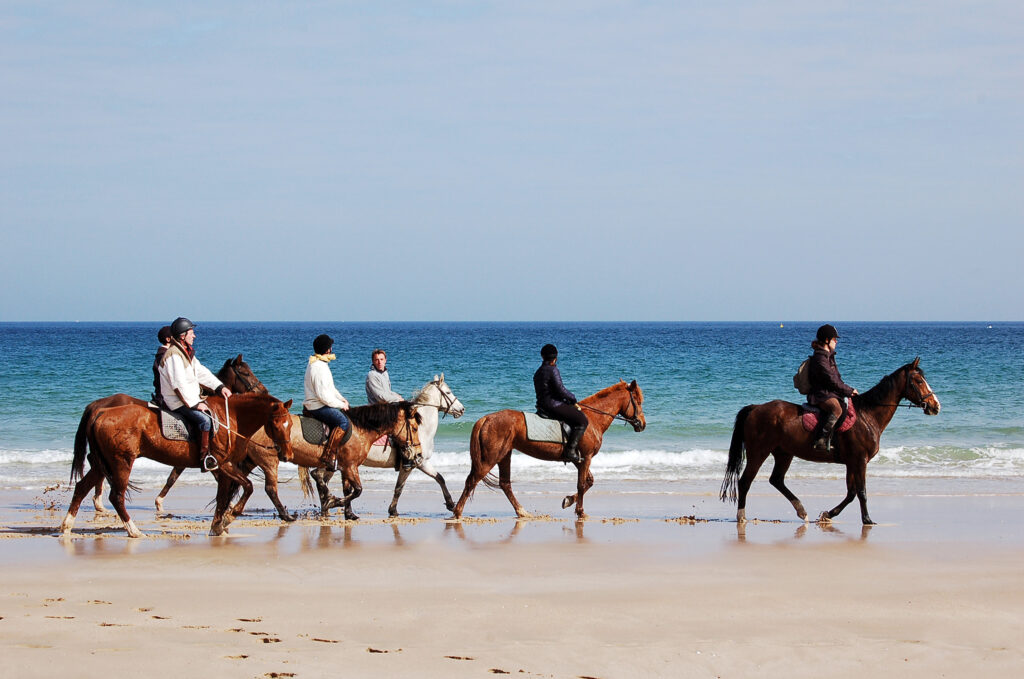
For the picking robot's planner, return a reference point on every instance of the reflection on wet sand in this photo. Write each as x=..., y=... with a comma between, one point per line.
x=823, y=527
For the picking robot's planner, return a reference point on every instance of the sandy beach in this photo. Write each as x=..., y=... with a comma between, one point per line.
x=934, y=590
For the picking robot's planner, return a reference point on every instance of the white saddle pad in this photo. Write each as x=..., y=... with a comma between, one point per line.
x=172, y=425
x=542, y=429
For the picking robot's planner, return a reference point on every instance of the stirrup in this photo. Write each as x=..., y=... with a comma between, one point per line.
x=210, y=463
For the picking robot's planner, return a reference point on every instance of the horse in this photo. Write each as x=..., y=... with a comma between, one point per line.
x=775, y=429
x=435, y=397
x=400, y=420
x=235, y=374
x=497, y=434
x=119, y=435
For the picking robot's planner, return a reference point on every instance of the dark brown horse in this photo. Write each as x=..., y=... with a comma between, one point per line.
x=775, y=429
x=119, y=435
x=496, y=435
x=399, y=420
x=235, y=374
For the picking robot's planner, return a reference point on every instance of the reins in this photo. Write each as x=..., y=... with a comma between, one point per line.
x=230, y=431
x=632, y=421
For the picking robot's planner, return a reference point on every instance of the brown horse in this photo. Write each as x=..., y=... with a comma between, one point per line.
x=775, y=429
x=119, y=435
x=399, y=420
x=235, y=374
x=496, y=435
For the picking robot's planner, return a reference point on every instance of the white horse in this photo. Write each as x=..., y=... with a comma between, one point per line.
x=431, y=401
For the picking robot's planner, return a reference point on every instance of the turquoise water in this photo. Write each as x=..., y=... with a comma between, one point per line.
x=695, y=377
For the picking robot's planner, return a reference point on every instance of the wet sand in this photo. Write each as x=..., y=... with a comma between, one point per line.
x=658, y=582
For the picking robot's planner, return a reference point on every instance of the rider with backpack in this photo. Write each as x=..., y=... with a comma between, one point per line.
x=828, y=392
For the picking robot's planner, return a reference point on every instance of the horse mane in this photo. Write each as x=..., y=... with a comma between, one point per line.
x=881, y=393
x=378, y=416
x=607, y=390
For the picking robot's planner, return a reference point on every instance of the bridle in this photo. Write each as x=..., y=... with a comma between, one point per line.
x=919, y=402
x=633, y=419
x=448, y=402
x=251, y=387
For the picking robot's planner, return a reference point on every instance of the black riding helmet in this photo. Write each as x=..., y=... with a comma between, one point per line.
x=827, y=332
x=548, y=352
x=180, y=326
x=322, y=344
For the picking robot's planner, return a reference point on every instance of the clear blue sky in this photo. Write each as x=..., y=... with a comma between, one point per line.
x=512, y=161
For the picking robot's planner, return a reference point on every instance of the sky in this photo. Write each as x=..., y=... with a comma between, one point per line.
x=479, y=161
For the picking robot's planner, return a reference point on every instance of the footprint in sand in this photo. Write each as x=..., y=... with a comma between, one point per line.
x=58, y=617
x=249, y=619
x=272, y=640
x=236, y=657
x=97, y=601
x=113, y=624
x=459, y=657
x=159, y=617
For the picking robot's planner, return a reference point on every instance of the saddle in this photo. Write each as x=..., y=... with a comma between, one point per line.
x=545, y=429
x=174, y=427
x=810, y=417
x=315, y=432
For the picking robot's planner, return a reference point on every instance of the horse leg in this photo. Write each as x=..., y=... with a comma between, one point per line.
x=118, y=487
x=778, y=479
x=241, y=478
x=860, y=479
x=171, y=479
x=851, y=492
x=224, y=493
x=346, y=488
x=580, y=489
x=322, y=477
x=755, y=458
x=97, y=498
x=505, y=483
x=353, y=488
x=403, y=474
x=92, y=478
x=269, y=467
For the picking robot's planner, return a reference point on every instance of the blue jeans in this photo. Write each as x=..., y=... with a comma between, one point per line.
x=332, y=417
x=196, y=419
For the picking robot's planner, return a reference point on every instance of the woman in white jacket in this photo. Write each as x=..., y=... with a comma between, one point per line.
x=323, y=401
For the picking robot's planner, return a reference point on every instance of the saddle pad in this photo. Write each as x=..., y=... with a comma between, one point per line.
x=382, y=441
x=810, y=419
x=542, y=429
x=172, y=425
x=313, y=430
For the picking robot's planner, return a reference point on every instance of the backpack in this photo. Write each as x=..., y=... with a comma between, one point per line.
x=802, y=380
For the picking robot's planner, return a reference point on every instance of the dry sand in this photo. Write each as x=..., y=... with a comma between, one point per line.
x=936, y=593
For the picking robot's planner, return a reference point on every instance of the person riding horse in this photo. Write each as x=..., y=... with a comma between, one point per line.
x=828, y=391
x=558, y=403
x=164, y=337
x=181, y=375
x=323, y=400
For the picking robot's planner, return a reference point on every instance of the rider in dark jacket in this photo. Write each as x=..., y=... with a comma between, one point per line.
x=828, y=391
x=557, y=402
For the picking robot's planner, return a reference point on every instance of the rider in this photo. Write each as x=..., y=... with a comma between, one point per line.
x=557, y=402
x=378, y=380
x=828, y=391
x=164, y=337
x=323, y=401
x=378, y=390
x=181, y=375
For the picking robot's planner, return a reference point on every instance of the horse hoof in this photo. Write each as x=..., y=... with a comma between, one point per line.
x=133, y=532
x=450, y=506
x=159, y=503
x=288, y=518
x=824, y=518
x=393, y=513
x=567, y=500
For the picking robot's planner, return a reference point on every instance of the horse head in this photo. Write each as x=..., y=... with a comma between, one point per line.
x=239, y=378
x=633, y=410
x=279, y=428
x=444, y=400
x=408, y=432
x=917, y=390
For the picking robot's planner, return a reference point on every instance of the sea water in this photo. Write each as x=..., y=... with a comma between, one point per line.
x=695, y=377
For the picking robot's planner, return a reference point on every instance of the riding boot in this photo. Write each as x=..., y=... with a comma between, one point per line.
x=824, y=440
x=404, y=461
x=571, y=451
x=207, y=461
x=329, y=458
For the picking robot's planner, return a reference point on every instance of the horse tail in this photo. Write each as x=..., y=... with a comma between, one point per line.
x=306, y=483
x=81, y=445
x=476, y=452
x=732, y=468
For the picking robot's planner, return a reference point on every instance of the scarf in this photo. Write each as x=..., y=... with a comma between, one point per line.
x=326, y=358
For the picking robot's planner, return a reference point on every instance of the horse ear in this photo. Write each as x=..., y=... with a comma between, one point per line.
x=632, y=385
x=915, y=363
x=288, y=404
x=442, y=377
x=435, y=378
x=238, y=359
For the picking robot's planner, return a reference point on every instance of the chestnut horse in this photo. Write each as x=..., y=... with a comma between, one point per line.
x=119, y=435
x=399, y=420
x=436, y=397
x=775, y=429
x=235, y=374
x=496, y=435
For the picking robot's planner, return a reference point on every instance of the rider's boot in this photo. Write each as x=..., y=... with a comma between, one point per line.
x=407, y=462
x=824, y=440
x=207, y=461
x=329, y=458
x=571, y=452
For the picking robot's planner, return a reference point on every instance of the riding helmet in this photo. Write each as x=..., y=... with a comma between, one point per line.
x=548, y=352
x=322, y=344
x=180, y=326
x=827, y=332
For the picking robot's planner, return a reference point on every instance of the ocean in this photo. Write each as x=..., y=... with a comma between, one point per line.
x=695, y=377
